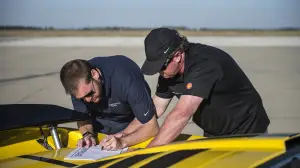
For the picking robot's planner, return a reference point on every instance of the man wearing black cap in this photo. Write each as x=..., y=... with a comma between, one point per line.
x=209, y=84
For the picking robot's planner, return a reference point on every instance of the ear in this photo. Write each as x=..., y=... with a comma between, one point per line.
x=178, y=56
x=95, y=74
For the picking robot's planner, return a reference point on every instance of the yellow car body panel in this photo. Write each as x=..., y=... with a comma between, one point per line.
x=27, y=142
x=187, y=151
x=22, y=148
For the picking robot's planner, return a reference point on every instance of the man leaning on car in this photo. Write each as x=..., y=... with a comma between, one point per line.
x=113, y=91
x=209, y=84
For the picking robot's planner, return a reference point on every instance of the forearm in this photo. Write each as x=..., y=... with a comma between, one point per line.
x=134, y=125
x=145, y=132
x=171, y=128
x=85, y=126
x=160, y=105
x=160, y=111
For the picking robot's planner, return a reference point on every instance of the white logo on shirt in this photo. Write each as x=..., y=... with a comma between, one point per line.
x=114, y=104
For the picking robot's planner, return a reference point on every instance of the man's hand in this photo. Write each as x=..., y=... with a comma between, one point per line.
x=86, y=141
x=111, y=142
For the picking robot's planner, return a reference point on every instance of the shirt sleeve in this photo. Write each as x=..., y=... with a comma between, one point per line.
x=201, y=78
x=79, y=105
x=139, y=98
x=162, y=89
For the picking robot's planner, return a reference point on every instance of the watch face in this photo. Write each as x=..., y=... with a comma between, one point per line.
x=86, y=133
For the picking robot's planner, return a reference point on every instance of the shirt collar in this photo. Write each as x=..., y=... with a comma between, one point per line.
x=106, y=83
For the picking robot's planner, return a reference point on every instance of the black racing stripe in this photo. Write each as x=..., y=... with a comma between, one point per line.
x=172, y=158
x=131, y=160
x=292, y=143
x=48, y=160
x=182, y=137
x=283, y=159
x=278, y=135
x=294, y=134
x=96, y=164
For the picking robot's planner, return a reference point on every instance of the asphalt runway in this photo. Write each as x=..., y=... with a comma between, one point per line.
x=30, y=74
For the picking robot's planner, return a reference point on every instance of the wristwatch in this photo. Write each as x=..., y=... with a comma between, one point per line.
x=87, y=133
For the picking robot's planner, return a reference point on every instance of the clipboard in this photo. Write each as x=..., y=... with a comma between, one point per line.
x=92, y=153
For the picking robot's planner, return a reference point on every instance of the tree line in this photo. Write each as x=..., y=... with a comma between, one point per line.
x=117, y=28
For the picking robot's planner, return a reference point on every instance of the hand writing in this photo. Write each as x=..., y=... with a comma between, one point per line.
x=111, y=142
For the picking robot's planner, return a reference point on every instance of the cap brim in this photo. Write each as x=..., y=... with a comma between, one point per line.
x=152, y=67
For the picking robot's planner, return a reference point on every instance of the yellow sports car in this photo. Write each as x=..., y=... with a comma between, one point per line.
x=30, y=138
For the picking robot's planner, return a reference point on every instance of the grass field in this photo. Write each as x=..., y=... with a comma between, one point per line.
x=133, y=33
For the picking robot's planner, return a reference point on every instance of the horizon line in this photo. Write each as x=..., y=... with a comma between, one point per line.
x=136, y=28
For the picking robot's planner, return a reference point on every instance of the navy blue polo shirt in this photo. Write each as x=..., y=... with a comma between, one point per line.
x=125, y=95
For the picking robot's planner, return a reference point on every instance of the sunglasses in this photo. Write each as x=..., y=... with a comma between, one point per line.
x=166, y=63
x=169, y=58
x=90, y=94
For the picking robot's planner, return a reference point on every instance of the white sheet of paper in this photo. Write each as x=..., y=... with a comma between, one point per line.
x=92, y=153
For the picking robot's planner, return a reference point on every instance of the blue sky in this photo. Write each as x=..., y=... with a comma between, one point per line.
x=152, y=13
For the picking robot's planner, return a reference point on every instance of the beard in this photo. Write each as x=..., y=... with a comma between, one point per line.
x=97, y=96
x=168, y=75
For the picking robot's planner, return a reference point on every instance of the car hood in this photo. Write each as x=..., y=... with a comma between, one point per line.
x=226, y=152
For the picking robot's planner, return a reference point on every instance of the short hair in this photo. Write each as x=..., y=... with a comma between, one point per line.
x=184, y=43
x=72, y=72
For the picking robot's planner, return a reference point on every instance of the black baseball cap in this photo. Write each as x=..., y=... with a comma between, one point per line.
x=159, y=44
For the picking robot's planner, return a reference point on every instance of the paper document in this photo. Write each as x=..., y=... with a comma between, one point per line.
x=92, y=153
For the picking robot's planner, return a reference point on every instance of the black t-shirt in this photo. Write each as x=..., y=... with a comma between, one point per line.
x=126, y=95
x=231, y=104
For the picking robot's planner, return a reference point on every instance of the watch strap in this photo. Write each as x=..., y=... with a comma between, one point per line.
x=86, y=134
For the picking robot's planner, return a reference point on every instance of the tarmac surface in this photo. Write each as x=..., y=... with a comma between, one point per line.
x=29, y=72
